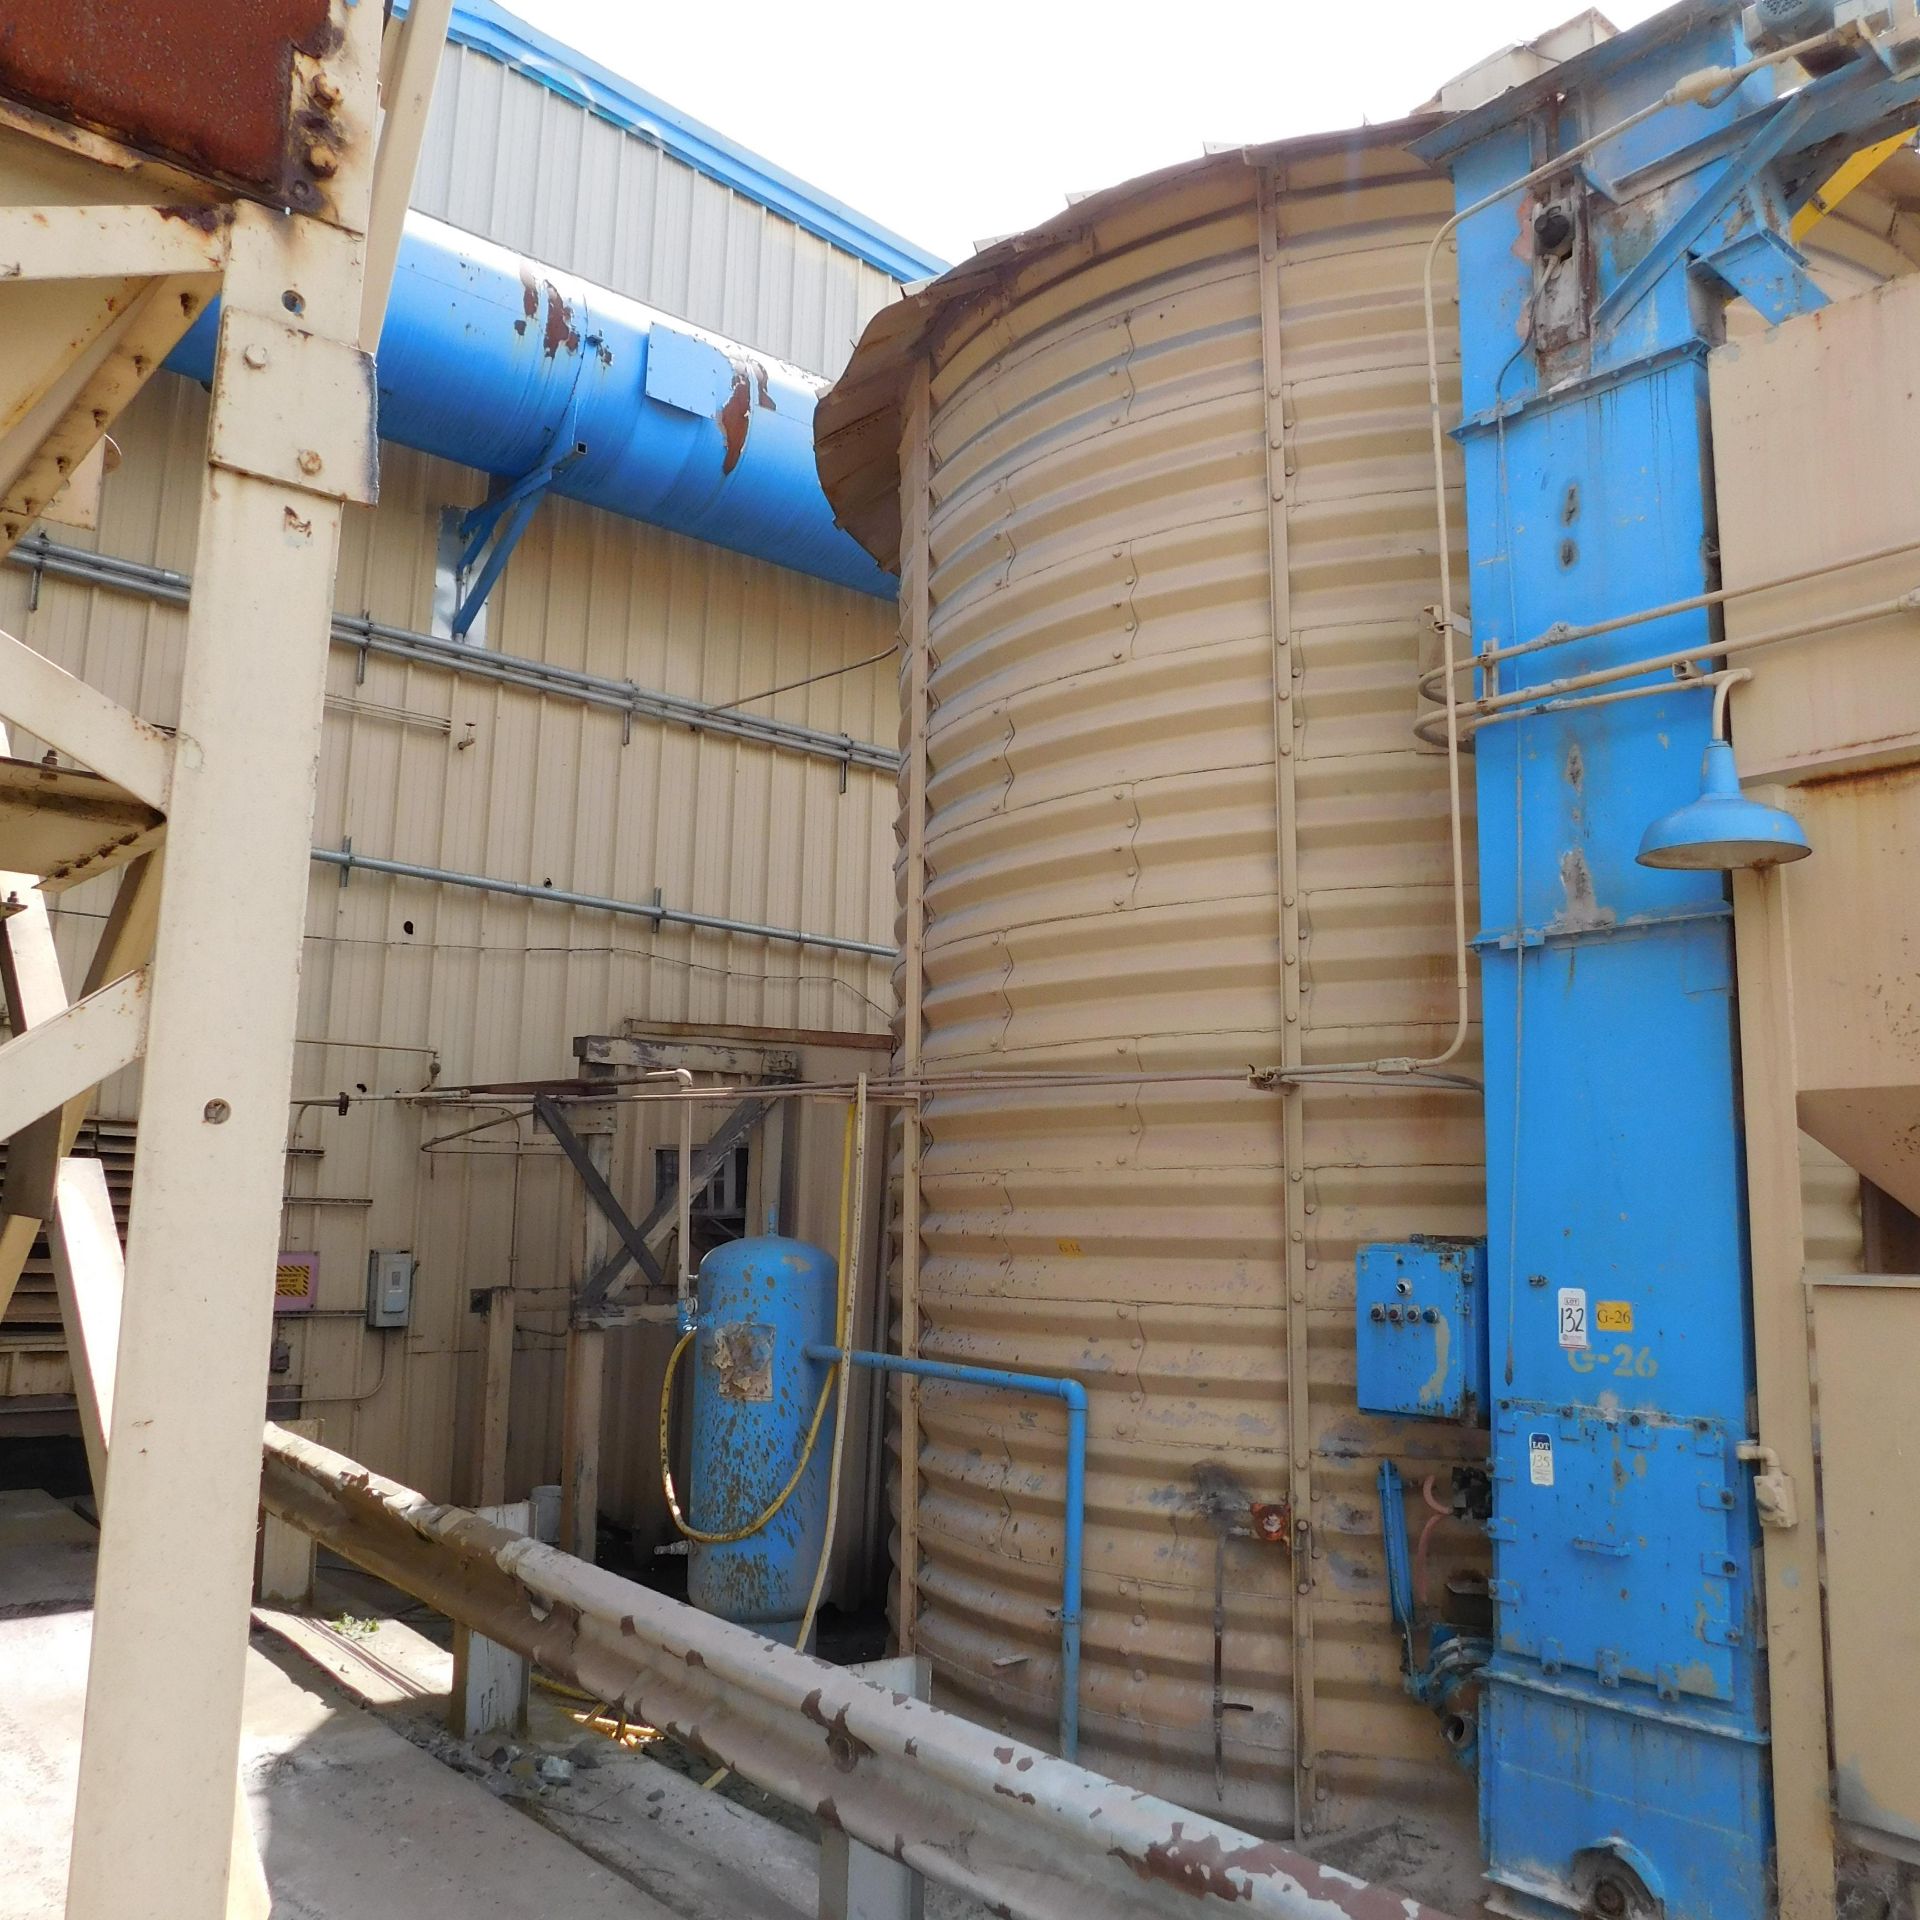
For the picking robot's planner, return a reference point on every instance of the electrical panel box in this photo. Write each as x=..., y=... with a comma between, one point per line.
x=1420, y=1329
x=389, y=1289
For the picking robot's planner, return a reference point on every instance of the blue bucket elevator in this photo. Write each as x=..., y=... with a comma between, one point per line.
x=1623, y=1744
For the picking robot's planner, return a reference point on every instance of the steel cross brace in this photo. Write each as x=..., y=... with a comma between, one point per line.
x=731, y=1131
x=632, y=1238
x=1821, y=111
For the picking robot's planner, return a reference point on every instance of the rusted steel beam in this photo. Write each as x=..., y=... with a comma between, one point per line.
x=1007, y=1824
x=241, y=93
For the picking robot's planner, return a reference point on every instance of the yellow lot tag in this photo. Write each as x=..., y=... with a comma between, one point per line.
x=1613, y=1316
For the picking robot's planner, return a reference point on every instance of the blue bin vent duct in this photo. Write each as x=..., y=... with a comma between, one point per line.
x=520, y=371
x=1623, y=1754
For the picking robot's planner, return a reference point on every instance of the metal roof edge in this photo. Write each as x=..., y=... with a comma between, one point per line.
x=857, y=425
x=492, y=30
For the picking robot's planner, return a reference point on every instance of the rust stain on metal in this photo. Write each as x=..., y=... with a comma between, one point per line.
x=693, y=1658
x=763, y=387
x=847, y=1748
x=1205, y=1869
x=209, y=219
x=733, y=418
x=828, y=1815
x=1876, y=779
x=561, y=332
x=137, y=70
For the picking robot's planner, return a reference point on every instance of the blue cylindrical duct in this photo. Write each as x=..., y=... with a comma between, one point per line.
x=760, y=1304
x=512, y=368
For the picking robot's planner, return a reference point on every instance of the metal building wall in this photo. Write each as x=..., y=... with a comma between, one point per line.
x=512, y=159
x=475, y=776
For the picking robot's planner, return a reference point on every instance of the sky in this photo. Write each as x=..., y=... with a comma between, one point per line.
x=954, y=124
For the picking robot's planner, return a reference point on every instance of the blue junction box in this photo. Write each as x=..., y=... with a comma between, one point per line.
x=1420, y=1331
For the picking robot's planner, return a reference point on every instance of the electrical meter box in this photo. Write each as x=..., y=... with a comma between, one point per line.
x=1420, y=1329
x=389, y=1289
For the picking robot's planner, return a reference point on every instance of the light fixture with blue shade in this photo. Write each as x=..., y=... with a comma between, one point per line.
x=1723, y=830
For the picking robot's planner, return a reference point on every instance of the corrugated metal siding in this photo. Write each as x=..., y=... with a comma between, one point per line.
x=1101, y=873
x=510, y=159
x=1102, y=891
x=543, y=790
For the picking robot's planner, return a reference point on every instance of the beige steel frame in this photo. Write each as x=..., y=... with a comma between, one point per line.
x=106, y=257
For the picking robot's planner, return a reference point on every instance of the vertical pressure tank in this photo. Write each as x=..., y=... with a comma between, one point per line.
x=760, y=1304
x=1172, y=525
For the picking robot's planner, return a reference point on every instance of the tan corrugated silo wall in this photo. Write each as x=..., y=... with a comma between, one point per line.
x=1180, y=544
x=1168, y=526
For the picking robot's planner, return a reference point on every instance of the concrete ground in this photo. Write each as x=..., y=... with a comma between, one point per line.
x=365, y=1807
x=356, y=1822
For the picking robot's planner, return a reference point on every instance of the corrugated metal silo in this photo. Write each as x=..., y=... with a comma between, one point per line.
x=1158, y=480
x=1179, y=544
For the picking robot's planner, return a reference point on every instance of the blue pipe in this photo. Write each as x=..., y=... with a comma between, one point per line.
x=1393, y=1537
x=1074, y=1550
x=498, y=364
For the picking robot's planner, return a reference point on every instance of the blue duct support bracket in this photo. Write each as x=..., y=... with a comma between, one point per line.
x=1073, y=1543
x=515, y=370
x=1623, y=1755
x=501, y=519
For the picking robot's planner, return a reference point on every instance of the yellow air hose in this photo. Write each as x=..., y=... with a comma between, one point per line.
x=780, y=1499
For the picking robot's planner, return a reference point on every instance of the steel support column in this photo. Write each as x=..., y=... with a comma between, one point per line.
x=205, y=1222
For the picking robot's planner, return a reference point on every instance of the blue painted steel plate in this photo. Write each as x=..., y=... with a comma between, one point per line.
x=1614, y=1547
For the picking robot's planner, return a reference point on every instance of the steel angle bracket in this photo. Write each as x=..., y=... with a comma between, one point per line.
x=493, y=529
x=327, y=445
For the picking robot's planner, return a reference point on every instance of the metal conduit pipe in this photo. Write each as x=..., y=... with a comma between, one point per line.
x=347, y=859
x=1073, y=1546
x=1025, y=1832
x=1564, y=634
x=40, y=555
x=537, y=378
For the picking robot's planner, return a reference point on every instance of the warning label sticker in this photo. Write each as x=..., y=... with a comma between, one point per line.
x=1540, y=1459
x=1573, y=1317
